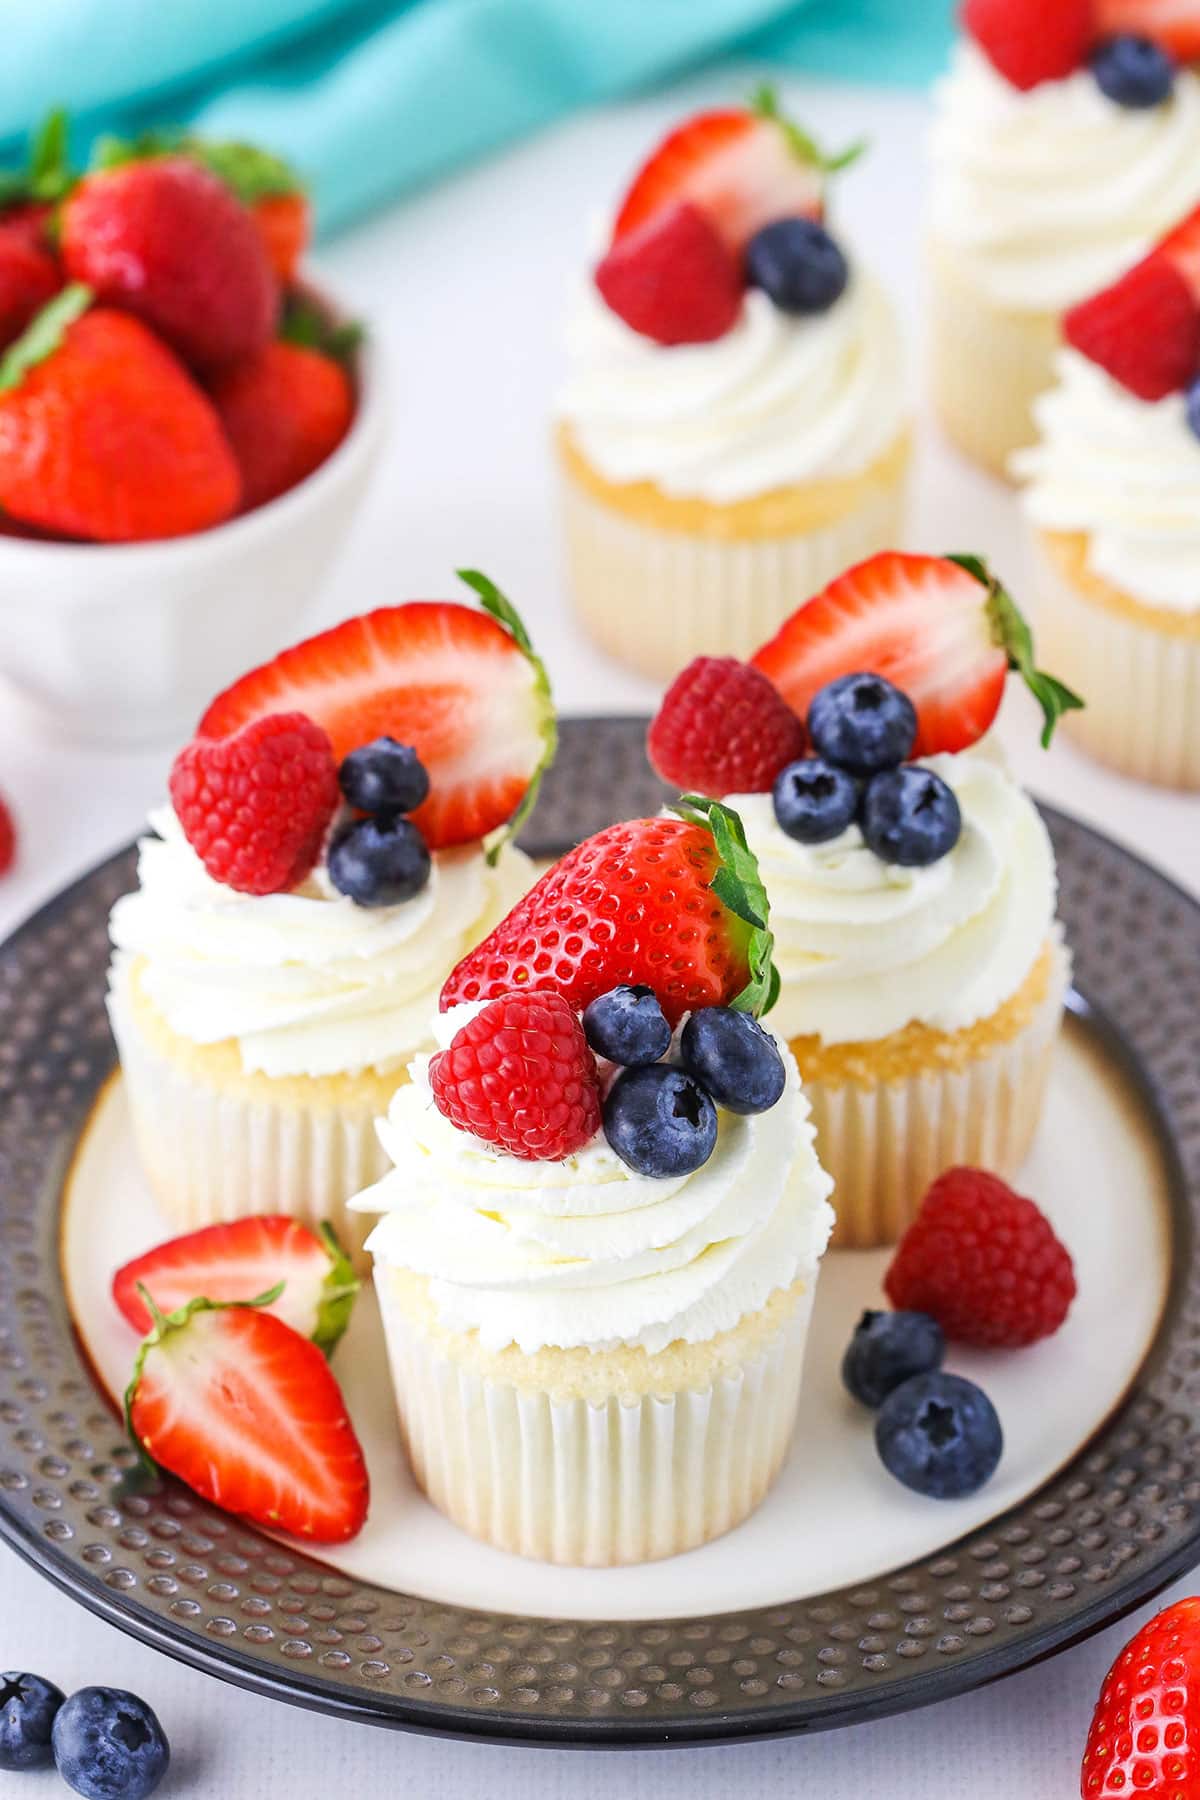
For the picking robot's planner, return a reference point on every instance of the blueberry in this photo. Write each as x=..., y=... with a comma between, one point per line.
x=1133, y=71
x=733, y=1059
x=384, y=777
x=1191, y=401
x=797, y=265
x=862, y=723
x=660, y=1121
x=909, y=816
x=814, y=801
x=379, y=862
x=108, y=1745
x=27, y=1708
x=888, y=1348
x=628, y=1026
x=939, y=1435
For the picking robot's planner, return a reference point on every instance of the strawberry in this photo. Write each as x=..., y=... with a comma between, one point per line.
x=520, y=1076
x=32, y=221
x=8, y=839
x=238, y=1262
x=285, y=223
x=284, y=411
x=462, y=687
x=167, y=240
x=674, y=279
x=1030, y=41
x=256, y=806
x=1181, y=248
x=1145, y=1732
x=675, y=905
x=103, y=433
x=723, y=729
x=1144, y=329
x=1175, y=24
x=941, y=628
x=29, y=196
x=29, y=277
x=241, y=1407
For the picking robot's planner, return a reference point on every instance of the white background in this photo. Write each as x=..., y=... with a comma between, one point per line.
x=464, y=287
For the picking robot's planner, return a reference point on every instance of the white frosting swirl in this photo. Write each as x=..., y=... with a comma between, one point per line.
x=1046, y=196
x=779, y=400
x=585, y=1252
x=865, y=948
x=1126, y=472
x=307, y=982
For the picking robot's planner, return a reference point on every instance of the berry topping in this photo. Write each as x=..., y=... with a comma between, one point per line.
x=284, y=412
x=379, y=862
x=1191, y=407
x=29, y=277
x=108, y=1742
x=674, y=279
x=659, y=1121
x=940, y=628
x=888, y=1348
x=733, y=1059
x=1028, y=41
x=384, y=777
x=1133, y=71
x=797, y=265
x=1181, y=248
x=28, y=1704
x=8, y=839
x=814, y=802
x=862, y=723
x=1143, y=1738
x=939, y=1435
x=984, y=1262
x=722, y=729
x=255, y=807
x=520, y=1076
x=1144, y=329
x=909, y=816
x=1175, y=24
x=627, y=1026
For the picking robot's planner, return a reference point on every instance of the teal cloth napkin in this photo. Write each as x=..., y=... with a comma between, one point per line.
x=371, y=97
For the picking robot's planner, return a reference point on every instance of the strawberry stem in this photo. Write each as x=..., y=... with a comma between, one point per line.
x=44, y=334
x=253, y=174
x=1010, y=630
x=738, y=885
x=338, y=1292
x=764, y=102
x=48, y=174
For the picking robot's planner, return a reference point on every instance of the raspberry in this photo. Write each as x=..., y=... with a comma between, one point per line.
x=255, y=807
x=1029, y=41
x=723, y=729
x=520, y=1076
x=1144, y=329
x=983, y=1262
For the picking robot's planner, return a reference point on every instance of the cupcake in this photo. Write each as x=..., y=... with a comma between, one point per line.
x=733, y=427
x=912, y=882
x=595, y=1267
x=1113, y=501
x=336, y=840
x=1067, y=140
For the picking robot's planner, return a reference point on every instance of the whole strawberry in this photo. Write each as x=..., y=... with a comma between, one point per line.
x=520, y=1076
x=29, y=277
x=255, y=807
x=167, y=240
x=284, y=411
x=1145, y=1732
x=723, y=729
x=984, y=1262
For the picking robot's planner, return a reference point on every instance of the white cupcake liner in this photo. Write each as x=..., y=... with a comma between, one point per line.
x=1141, y=685
x=654, y=598
x=885, y=1144
x=570, y=1480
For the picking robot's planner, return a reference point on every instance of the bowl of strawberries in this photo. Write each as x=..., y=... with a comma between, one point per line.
x=186, y=426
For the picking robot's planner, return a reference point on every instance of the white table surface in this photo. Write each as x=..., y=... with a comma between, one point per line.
x=465, y=286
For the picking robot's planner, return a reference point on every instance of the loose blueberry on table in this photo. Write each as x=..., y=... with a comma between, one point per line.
x=109, y=1745
x=888, y=1348
x=28, y=1705
x=939, y=1434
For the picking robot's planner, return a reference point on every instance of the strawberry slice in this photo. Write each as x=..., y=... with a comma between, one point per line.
x=1175, y=24
x=1030, y=41
x=463, y=687
x=239, y=1261
x=1144, y=329
x=674, y=279
x=940, y=627
x=246, y=1411
x=1181, y=248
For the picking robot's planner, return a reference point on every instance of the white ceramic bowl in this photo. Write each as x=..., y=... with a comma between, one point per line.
x=127, y=643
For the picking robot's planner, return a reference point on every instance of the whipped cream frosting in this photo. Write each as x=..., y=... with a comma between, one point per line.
x=307, y=982
x=1046, y=196
x=585, y=1252
x=865, y=948
x=779, y=400
x=1126, y=472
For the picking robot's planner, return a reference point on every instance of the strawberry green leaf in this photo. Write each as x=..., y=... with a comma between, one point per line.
x=48, y=174
x=503, y=610
x=338, y=1292
x=765, y=103
x=1010, y=630
x=739, y=887
x=253, y=174
x=308, y=325
x=43, y=336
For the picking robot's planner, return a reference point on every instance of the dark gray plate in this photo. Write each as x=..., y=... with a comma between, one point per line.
x=1119, y=1523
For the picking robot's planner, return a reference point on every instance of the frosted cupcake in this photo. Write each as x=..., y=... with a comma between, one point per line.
x=336, y=842
x=733, y=427
x=1113, y=500
x=1064, y=146
x=912, y=883
x=596, y=1269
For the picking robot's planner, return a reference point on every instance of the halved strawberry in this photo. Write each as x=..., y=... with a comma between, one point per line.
x=1144, y=329
x=1181, y=248
x=940, y=627
x=462, y=686
x=239, y=1261
x=1175, y=24
x=246, y=1411
x=1031, y=41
